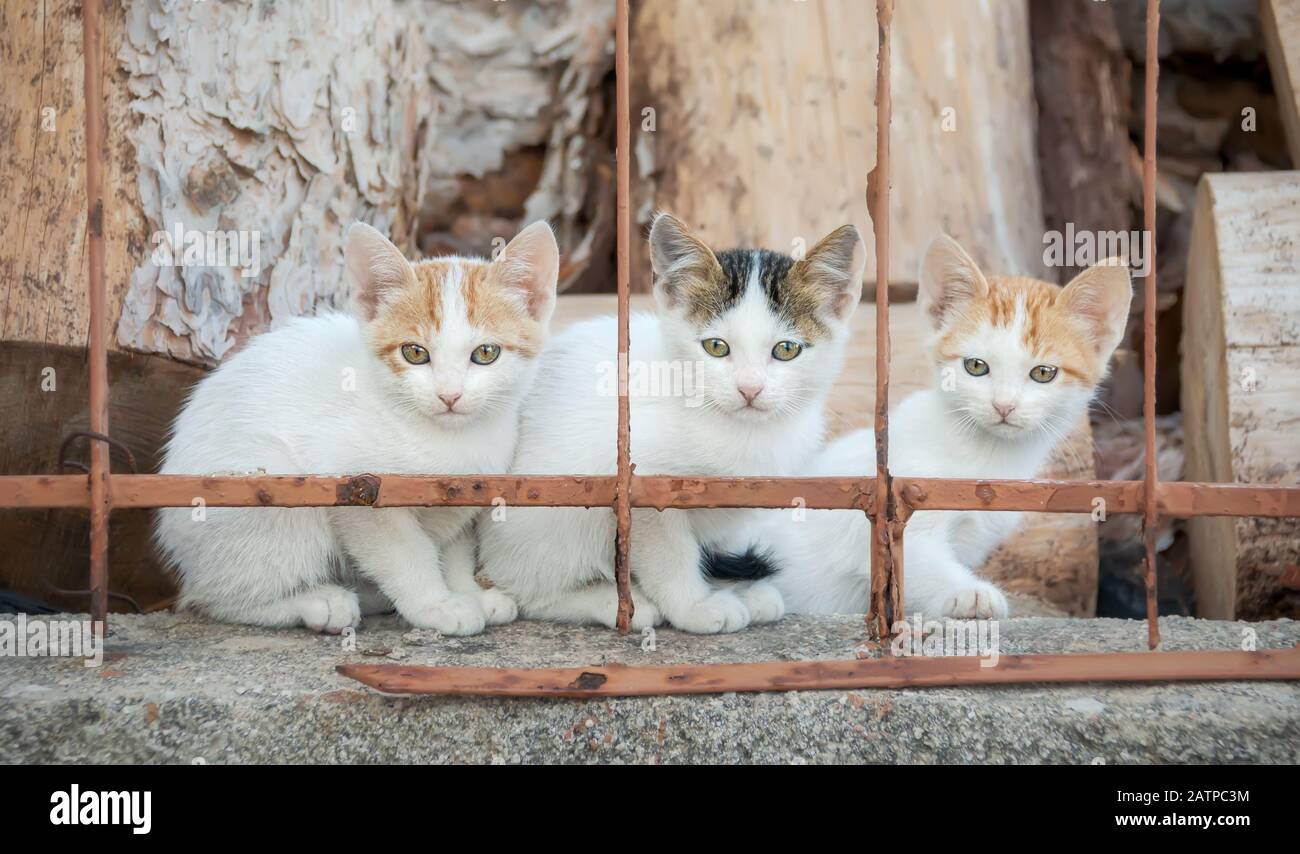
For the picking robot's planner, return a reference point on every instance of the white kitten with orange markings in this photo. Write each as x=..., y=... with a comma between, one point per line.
x=425, y=377
x=1016, y=363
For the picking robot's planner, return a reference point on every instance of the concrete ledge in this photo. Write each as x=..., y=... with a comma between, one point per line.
x=177, y=688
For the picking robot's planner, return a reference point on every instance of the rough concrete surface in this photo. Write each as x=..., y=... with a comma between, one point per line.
x=176, y=688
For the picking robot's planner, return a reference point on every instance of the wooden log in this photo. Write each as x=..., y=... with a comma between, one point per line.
x=761, y=125
x=1280, y=21
x=1081, y=83
x=445, y=125
x=1221, y=29
x=43, y=179
x=1241, y=385
x=1051, y=557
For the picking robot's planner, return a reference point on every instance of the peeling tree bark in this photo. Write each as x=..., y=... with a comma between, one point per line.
x=292, y=119
x=446, y=124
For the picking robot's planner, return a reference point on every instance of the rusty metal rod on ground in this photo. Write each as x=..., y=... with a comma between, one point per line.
x=623, y=486
x=1151, y=519
x=886, y=573
x=96, y=345
x=887, y=672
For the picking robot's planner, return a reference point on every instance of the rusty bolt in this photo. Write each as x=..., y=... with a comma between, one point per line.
x=362, y=489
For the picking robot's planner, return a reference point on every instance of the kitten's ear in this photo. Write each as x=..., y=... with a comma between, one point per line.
x=1101, y=296
x=949, y=280
x=677, y=258
x=530, y=264
x=378, y=269
x=833, y=269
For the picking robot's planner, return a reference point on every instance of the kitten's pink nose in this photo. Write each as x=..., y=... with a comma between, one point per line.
x=750, y=392
x=1005, y=409
x=449, y=399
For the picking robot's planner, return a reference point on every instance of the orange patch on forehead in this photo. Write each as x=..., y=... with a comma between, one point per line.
x=1049, y=331
x=421, y=309
x=502, y=311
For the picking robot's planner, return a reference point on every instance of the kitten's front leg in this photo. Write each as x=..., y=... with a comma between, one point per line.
x=666, y=560
x=939, y=585
x=391, y=548
x=458, y=564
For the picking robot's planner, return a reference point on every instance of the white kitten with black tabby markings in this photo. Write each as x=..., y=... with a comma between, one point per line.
x=762, y=336
x=425, y=378
x=1016, y=363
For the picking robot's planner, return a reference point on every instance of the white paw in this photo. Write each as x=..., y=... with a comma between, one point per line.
x=455, y=614
x=645, y=615
x=979, y=600
x=329, y=609
x=498, y=607
x=763, y=601
x=720, y=611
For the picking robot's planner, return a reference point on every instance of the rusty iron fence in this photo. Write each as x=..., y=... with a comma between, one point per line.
x=887, y=499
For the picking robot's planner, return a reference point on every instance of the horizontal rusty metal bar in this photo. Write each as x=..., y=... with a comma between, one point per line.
x=361, y=490
x=41, y=490
x=1177, y=499
x=888, y=672
x=1042, y=496
x=391, y=490
x=1184, y=499
x=539, y=491
x=815, y=493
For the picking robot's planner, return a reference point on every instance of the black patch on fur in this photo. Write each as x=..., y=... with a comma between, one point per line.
x=750, y=565
x=738, y=265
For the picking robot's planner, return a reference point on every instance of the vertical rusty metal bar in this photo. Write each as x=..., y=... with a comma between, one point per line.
x=623, y=485
x=97, y=346
x=886, y=577
x=1150, y=519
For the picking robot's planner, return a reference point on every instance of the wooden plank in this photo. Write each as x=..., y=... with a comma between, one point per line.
x=1081, y=84
x=1241, y=384
x=764, y=125
x=43, y=179
x=1280, y=21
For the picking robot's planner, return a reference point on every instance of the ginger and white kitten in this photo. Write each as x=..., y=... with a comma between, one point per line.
x=426, y=377
x=1016, y=363
x=761, y=336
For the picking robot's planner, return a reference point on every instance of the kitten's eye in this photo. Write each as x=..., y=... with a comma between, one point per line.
x=784, y=351
x=975, y=367
x=485, y=354
x=715, y=347
x=1042, y=373
x=415, y=354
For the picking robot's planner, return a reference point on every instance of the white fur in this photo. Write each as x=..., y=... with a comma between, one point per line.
x=313, y=398
x=825, y=555
x=952, y=433
x=558, y=563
